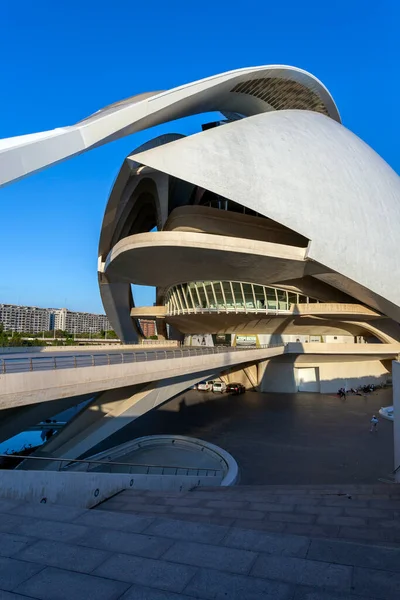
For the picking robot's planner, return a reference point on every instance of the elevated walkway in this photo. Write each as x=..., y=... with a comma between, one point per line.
x=122, y=392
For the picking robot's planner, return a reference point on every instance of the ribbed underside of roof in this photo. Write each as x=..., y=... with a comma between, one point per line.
x=282, y=94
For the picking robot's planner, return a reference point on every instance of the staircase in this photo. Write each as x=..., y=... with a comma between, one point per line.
x=238, y=543
x=367, y=513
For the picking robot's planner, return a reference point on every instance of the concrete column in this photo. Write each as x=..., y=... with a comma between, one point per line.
x=396, y=412
x=109, y=412
x=117, y=301
x=277, y=375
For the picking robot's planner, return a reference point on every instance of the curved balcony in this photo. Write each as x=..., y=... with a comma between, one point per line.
x=230, y=296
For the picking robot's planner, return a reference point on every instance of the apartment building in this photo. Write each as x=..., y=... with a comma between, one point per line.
x=24, y=318
x=33, y=319
x=80, y=322
x=148, y=327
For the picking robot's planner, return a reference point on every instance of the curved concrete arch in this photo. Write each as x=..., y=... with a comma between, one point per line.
x=178, y=257
x=245, y=91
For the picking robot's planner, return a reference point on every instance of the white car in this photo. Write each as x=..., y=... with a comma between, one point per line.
x=219, y=386
x=205, y=386
x=387, y=413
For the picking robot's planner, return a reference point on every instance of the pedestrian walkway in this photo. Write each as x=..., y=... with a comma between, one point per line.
x=152, y=551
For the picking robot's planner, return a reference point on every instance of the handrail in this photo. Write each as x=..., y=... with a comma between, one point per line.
x=11, y=364
x=108, y=462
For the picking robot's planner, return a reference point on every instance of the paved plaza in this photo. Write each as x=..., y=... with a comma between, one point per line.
x=281, y=439
x=63, y=553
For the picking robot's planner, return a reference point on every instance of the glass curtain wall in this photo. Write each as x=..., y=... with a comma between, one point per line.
x=230, y=296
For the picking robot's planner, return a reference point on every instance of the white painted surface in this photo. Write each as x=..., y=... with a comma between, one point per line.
x=332, y=172
x=26, y=154
x=307, y=379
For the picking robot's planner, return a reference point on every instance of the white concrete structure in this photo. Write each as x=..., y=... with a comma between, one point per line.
x=238, y=227
x=272, y=197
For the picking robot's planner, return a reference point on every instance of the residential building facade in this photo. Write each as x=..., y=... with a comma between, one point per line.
x=32, y=319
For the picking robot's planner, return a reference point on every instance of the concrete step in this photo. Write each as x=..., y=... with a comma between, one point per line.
x=51, y=551
x=372, y=518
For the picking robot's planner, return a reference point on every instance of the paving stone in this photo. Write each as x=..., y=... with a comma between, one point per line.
x=186, y=510
x=49, y=512
x=186, y=530
x=305, y=500
x=8, y=505
x=50, y=530
x=385, y=504
x=212, y=557
x=124, y=522
x=269, y=507
x=283, y=545
x=358, y=555
x=303, y=572
x=229, y=504
x=344, y=501
x=212, y=520
x=351, y=533
x=13, y=572
x=392, y=524
x=378, y=584
x=137, y=592
x=65, y=556
x=179, y=501
x=146, y=572
x=251, y=515
x=11, y=543
x=367, y=513
x=325, y=511
x=11, y=596
x=329, y=531
x=215, y=585
x=129, y=543
x=203, y=495
x=341, y=521
x=292, y=518
x=272, y=526
x=9, y=523
x=162, y=494
x=56, y=584
x=307, y=593
x=138, y=508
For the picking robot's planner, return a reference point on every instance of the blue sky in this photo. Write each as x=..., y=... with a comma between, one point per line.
x=63, y=61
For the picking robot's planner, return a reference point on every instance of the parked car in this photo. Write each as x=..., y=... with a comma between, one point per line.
x=205, y=386
x=219, y=386
x=235, y=388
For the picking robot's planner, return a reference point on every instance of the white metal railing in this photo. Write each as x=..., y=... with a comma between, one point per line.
x=71, y=361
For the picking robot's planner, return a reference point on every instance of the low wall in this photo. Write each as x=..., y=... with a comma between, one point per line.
x=350, y=374
x=278, y=374
x=86, y=490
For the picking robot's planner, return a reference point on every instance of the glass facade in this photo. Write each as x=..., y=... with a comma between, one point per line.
x=230, y=296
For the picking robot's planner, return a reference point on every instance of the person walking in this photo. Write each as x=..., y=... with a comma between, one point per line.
x=374, y=424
